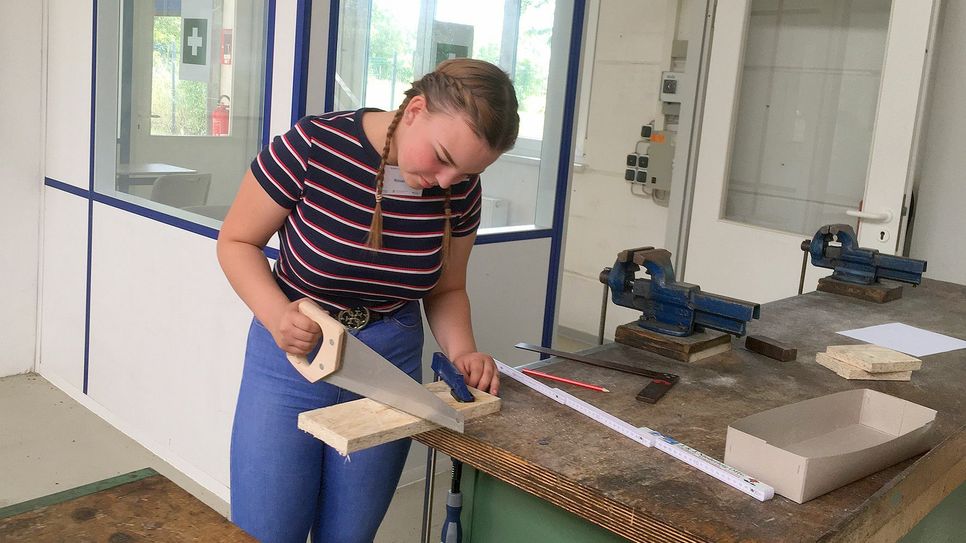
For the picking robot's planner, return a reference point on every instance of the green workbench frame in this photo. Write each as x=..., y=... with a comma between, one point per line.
x=494, y=511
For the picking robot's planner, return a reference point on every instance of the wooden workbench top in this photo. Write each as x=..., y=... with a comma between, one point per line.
x=645, y=495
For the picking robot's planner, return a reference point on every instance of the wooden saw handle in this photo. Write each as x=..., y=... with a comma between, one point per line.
x=329, y=358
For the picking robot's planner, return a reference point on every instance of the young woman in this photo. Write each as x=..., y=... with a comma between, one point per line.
x=375, y=210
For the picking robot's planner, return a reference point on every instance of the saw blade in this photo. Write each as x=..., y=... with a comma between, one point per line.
x=367, y=373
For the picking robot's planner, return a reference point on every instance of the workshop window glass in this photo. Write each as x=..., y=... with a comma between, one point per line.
x=179, y=93
x=806, y=114
x=384, y=45
x=191, y=76
x=515, y=37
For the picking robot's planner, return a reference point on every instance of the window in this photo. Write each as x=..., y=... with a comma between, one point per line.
x=384, y=45
x=179, y=102
x=190, y=83
x=517, y=39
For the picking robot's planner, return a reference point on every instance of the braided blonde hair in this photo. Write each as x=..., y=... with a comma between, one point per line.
x=480, y=91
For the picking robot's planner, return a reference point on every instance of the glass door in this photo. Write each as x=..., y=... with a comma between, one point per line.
x=809, y=120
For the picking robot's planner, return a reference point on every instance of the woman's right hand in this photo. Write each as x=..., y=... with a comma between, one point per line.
x=295, y=333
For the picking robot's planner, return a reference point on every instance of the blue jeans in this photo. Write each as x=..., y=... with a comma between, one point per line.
x=285, y=482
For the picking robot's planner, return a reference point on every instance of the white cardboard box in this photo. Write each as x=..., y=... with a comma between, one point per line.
x=812, y=447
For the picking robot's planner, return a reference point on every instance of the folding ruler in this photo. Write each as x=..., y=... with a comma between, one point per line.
x=649, y=438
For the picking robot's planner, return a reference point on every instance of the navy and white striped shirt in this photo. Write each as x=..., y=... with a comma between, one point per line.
x=324, y=170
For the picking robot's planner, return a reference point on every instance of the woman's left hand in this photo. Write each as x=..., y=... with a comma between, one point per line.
x=480, y=371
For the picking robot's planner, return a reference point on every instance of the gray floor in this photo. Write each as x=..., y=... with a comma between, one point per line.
x=50, y=443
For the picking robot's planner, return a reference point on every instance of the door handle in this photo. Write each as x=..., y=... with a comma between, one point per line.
x=884, y=217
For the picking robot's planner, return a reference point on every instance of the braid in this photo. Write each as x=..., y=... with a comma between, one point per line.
x=447, y=227
x=462, y=94
x=374, y=240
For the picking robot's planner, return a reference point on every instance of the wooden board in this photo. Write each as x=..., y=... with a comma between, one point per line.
x=848, y=371
x=645, y=495
x=360, y=424
x=139, y=506
x=686, y=349
x=873, y=358
x=879, y=293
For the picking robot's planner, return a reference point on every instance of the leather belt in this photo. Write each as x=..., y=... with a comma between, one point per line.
x=357, y=318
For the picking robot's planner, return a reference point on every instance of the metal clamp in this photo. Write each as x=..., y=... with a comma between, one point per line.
x=668, y=306
x=853, y=264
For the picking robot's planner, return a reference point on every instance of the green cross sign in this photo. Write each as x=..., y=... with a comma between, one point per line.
x=194, y=41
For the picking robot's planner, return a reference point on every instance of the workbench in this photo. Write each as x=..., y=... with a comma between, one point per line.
x=138, y=506
x=642, y=494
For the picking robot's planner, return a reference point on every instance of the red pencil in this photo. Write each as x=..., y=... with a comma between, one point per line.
x=535, y=373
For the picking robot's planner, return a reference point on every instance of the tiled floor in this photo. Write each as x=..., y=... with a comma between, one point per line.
x=50, y=443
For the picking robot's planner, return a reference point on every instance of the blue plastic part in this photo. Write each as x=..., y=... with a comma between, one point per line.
x=452, y=527
x=452, y=377
x=670, y=307
x=853, y=264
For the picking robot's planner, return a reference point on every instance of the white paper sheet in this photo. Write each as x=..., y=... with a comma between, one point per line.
x=906, y=339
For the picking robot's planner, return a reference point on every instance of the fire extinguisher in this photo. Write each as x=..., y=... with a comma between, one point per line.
x=219, y=117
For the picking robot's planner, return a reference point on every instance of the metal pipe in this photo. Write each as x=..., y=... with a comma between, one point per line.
x=603, y=316
x=428, y=491
x=429, y=488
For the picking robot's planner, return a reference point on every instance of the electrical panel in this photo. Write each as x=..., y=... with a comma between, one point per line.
x=635, y=168
x=651, y=167
x=660, y=154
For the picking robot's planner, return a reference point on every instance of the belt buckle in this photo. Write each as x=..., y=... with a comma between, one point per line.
x=355, y=318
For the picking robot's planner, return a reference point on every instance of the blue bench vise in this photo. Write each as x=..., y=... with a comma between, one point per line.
x=669, y=307
x=853, y=264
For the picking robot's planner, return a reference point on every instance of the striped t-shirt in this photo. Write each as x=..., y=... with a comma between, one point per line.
x=324, y=170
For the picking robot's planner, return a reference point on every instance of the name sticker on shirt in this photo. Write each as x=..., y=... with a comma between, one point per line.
x=393, y=183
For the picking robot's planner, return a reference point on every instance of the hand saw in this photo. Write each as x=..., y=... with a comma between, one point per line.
x=345, y=361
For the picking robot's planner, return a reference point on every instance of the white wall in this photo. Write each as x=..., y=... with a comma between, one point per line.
x=939, y=218
x=21, y=84
x=167, y=339
x=62, y=336
x=632, y=48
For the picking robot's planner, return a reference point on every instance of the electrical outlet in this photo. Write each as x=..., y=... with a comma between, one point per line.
x=670, y=89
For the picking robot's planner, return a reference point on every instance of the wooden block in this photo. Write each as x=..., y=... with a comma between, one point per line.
x=772, y=348
x=360, y=424
x=849, y=371
x=686, y=349
x=873, y=358
x=879, y=293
